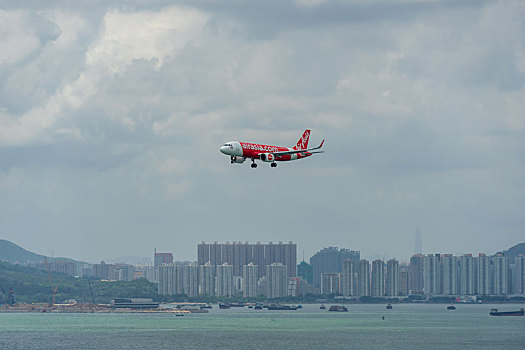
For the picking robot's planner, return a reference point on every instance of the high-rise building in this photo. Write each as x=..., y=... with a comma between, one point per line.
x=191, y=280
x=500, y=270
x=306, y=272
x=331, y=283
x=392, y=278
x=276, y=280
x=239, y=254
x=162, y=258
x=519, y=274
x=468, y=281
x=330, y=260
x=483, y=275
x=250, y=276
x=378, y=278
x=415, y=276
x=449, y=272
x=224, y=281
x=207, y=279
x=348, y=279
x=363, y=278
x=432, y=274
x=403, y=280
x=171, y=279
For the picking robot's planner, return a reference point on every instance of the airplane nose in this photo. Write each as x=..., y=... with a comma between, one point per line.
x=225, y=149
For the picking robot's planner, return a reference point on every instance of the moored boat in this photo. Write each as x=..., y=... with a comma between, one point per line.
x=495, y=312
x=281, y=307
x=451, y=307
x=389, y=307
x=338, y=308
x=224, y=306
x=322, y=307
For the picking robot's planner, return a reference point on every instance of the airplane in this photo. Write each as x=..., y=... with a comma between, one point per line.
x=240, y=151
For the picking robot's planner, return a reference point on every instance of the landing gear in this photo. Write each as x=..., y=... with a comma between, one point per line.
x=273, y=165
x=254, y=165
x=232, y=159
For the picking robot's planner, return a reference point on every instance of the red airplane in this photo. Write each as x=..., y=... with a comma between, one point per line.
x=240, y=151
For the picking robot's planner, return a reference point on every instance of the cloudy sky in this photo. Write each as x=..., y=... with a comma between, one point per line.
x=112, y=113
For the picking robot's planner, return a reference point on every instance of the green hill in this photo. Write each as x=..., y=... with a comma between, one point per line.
x=14, y=254
x=32, y=285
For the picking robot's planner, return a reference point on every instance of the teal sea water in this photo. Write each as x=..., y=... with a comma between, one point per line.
x=404, y=327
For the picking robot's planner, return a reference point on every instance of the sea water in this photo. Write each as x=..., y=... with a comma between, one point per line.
x=406, y=326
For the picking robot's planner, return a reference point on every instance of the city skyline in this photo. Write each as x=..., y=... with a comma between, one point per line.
x=112, y=113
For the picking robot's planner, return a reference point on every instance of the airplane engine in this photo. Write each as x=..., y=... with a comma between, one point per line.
x=235, y=159
x=267, y=157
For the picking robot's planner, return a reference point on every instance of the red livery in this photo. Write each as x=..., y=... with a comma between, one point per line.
x=240, y=151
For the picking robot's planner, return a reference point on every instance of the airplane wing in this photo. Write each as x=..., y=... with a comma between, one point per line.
x=278, y=154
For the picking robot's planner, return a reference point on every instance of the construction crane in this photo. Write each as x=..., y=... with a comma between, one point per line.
x=53, y=288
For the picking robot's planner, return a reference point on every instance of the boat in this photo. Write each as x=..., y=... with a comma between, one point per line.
x=258, y=307
x=495, y=312
x=206, y=306
x=281, y=307
x=299, y=306
x=236, y=304
x=250, y=307
x=224, y=306
x=389, y=307
x=322, y=307
x=338, y=308
x=451, y=307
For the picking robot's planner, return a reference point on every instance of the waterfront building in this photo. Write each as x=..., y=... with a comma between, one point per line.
x=363, y=278
x=250, y=276
x=483, y=275
x=449, y=270
x=392, y=278
x=432, y=274
x=224, y=280
x=239, y=254
x=306, y=272
x=191, y=280
x=330, y=260
x=276, y=280
x=468, y=276
x=519, y=274
x=348, y=287
x=403, y=280
x=331, y=283
x=415, y=276
x=207, y=279
x=378, y=278
x=500, y=268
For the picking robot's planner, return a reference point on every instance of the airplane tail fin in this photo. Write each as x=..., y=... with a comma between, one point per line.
x=303, y=141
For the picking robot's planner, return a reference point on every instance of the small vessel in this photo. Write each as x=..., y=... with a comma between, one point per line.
x=495, y=312
x=299, y=306
x=322, y=307
x=250, y=307
x=258, y=307
x=451, y=307
x=389, y=307
x=207, y=306
x=281, y=307
x=236, y=304
x=224, y=306
x=338, y=308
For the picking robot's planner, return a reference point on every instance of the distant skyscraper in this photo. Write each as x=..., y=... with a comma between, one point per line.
x=331, y=283
x=449, y=270
x=378, y=278
x=250, y=276
x=392, y=278
x=306, y=272
x=330, y=260
x=207, y=279
x=500, y=268
x=276, y=280
x=347, y=279
x=363, y=278
x=224, y=281
x=468, y=277
x=171, y=279
x=416, y=282
x=403, y=280
x=191, y=280
x=432, y=274
x=418, y=242
x=519, y=274
x=483, y=275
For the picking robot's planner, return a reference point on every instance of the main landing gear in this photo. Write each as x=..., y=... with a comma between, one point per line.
x=273, y=165
x=232, y=160
x=254, y=165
